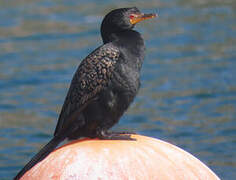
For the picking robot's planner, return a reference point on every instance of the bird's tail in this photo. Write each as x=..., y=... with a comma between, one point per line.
x=47, y=149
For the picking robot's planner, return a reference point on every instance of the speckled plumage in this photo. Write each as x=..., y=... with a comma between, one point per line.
x=91, y=77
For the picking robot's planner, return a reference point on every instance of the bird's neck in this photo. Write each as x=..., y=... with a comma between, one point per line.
x=125, y=35
x=130, y=44
x=129, y=39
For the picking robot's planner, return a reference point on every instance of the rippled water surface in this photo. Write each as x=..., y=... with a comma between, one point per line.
x=188, y=94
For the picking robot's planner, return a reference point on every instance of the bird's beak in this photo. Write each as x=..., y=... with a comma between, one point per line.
x=135, y=18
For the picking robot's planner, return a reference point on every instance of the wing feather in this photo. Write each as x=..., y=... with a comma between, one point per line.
x=91, y=77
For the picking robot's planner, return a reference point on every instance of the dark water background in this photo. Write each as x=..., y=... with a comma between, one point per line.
x=188, y=94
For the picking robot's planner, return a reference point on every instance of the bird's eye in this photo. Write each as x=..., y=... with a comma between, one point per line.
x=131, y=16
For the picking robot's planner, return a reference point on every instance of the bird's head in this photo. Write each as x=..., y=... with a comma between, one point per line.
x=122, y=19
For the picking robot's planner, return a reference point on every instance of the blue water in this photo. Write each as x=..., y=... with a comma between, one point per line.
x=188, y=92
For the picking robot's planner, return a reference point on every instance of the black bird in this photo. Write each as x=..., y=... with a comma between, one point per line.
x=103, y=86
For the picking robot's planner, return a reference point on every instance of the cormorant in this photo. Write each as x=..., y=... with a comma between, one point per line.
x=103, y=86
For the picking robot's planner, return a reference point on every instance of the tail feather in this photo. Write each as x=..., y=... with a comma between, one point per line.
x=47, y=149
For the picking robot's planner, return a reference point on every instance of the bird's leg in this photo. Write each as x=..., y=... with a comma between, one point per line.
x=105, y=135
x=122, y=132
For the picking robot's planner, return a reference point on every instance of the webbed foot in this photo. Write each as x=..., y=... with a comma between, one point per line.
x=105, y=135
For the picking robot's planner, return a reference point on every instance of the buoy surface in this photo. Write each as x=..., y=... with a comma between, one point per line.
x=145, y=158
